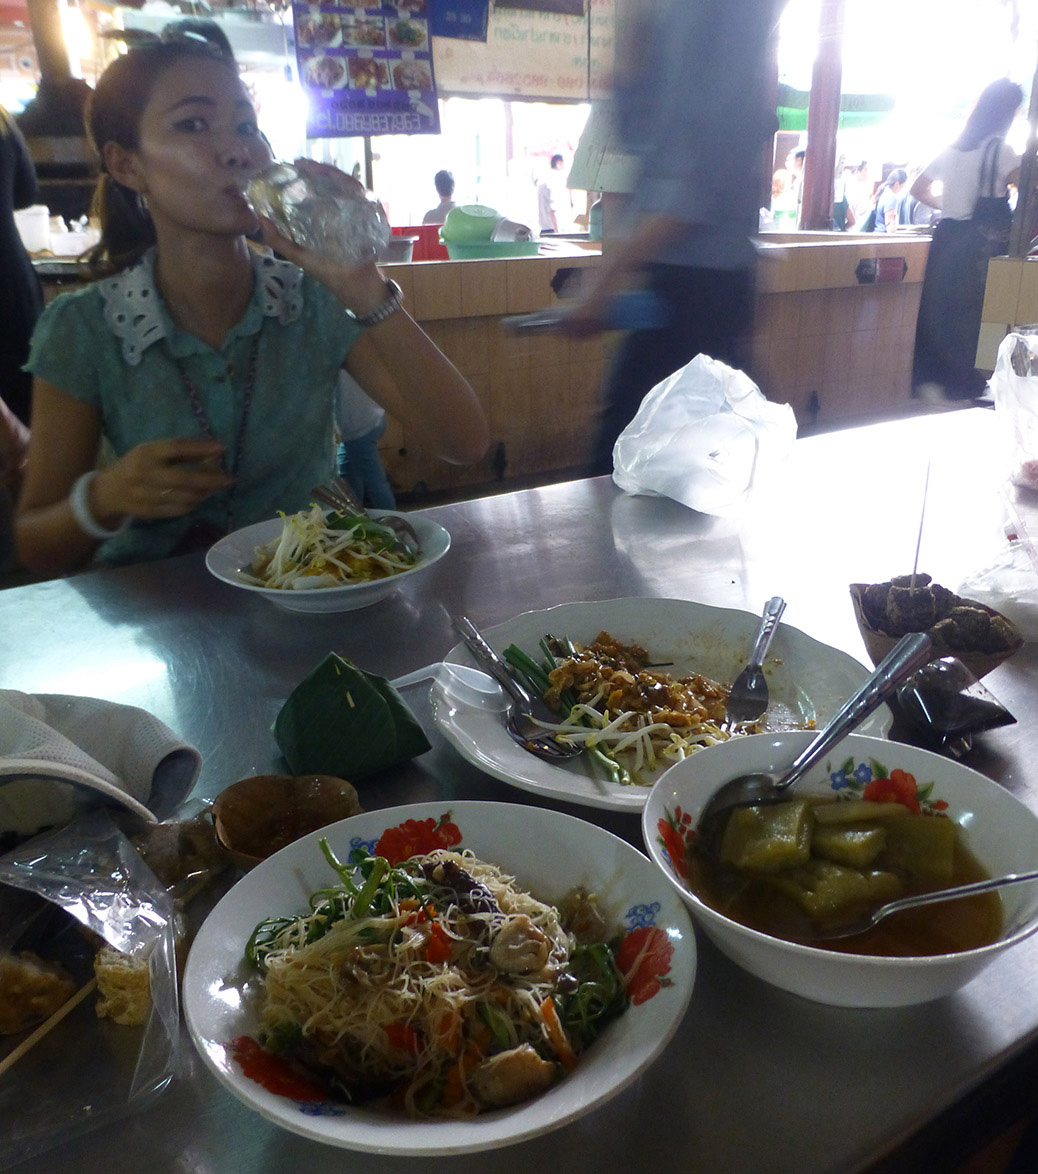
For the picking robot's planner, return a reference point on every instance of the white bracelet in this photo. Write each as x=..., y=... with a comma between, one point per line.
x=79, y=503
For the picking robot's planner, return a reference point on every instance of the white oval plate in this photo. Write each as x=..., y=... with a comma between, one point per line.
x=807, y=681
x=549, y=853
x=230, y=558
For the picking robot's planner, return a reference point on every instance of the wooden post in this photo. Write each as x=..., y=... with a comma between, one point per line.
x=823, y=120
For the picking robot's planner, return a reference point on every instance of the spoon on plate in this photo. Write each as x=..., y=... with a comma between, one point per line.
x=761, y=787
x=868, y=920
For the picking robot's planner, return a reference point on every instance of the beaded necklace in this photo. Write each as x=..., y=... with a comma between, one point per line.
x=197, y=408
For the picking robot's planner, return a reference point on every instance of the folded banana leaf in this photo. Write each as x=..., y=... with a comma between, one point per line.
x=343, y=721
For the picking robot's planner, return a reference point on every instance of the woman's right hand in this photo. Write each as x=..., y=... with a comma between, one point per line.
x=159, y=479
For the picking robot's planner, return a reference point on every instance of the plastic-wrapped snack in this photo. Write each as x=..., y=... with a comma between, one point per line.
x=314, y=211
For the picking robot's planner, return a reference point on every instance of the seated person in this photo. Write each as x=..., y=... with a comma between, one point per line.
x=208, y=370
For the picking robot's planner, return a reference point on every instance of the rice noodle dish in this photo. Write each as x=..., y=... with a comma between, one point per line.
x=435, y=983
x=631, y=715
x=316, y=550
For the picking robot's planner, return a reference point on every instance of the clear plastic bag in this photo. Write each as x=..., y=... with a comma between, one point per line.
x=705, y=437
x=1014, y=385
x=314, y=211
x=88, y=1072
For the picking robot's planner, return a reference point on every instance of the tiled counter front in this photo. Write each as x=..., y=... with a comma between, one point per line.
x=1010, y=300
x=539, y=390
x=837, y=350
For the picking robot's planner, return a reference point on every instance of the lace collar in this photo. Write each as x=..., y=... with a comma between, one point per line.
x=136, y=316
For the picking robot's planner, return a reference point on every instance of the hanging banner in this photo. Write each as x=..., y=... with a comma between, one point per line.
x=529, y=54
x=463, y=20
x=366, y=70
x=569, y=7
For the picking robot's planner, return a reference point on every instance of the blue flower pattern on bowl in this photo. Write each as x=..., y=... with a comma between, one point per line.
x=641, y=915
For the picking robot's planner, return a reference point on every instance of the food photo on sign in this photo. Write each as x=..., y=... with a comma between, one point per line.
x=365, y=70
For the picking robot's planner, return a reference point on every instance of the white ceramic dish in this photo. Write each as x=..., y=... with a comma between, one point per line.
x=230, y=558
x=549, y=854
x=808, y=681
x=1000, y=830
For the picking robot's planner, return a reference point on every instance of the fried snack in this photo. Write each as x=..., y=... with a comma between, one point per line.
x=123, y=986
x=31, y=990
x=955, y=625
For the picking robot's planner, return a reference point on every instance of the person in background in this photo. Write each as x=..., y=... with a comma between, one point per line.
x=860, y=193
x=843, y=213
x=209, y=371
x=978, y=164
x=547, y=197
x=444, y=184
x=693, y=105
x=21, y=298
x=361, y=423
x=887, y=200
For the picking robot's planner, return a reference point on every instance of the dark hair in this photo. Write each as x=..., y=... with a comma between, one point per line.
x=898, y=175
x=992, y=115
x=113, y=115
x=444, y=182
x=207, y=33
x=555, y=159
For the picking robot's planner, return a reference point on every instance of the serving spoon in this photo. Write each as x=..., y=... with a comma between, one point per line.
x=763, y=787
x=868, y=920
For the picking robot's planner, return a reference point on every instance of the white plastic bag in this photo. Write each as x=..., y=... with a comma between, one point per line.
x=1014, y=385
x=704, y=436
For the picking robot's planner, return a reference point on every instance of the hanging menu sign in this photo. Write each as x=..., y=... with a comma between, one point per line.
x=366, y=70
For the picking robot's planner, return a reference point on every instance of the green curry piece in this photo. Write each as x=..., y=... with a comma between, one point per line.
x=854, y=844
x=923, y=847
x=824, y=889
x=857, y=811
x=768, y=838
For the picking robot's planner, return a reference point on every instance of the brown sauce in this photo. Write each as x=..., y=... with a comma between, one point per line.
x=946, y=928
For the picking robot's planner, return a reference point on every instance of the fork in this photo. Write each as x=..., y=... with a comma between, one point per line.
x=748, y=697
x=520, y=723
x=338, y=494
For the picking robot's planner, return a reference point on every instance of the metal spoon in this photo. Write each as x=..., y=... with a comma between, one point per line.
x=520, y=723
x=339, y=495
x=760, y=787
x=861, y=924
x=748, y=696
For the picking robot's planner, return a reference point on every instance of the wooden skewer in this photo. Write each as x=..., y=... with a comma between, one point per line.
x=31, y=1041
x=922, y=515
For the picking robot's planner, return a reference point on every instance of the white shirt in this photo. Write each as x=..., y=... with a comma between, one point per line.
x=959, y=171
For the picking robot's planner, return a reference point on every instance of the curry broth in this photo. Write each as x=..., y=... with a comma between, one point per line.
x=950, y=927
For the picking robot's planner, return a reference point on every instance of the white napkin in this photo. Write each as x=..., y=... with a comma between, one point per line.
x=59, y=753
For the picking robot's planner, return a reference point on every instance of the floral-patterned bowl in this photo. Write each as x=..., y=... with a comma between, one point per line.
x=549, y=854
x=1000, y=831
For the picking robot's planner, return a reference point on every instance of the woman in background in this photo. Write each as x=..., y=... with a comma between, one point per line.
x=209, y=370
x=21, y=299
x=977, y=166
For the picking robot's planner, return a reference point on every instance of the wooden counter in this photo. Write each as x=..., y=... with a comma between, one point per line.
x=837, y=350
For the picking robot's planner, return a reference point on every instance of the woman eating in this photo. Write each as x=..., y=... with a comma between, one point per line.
x=207, y=369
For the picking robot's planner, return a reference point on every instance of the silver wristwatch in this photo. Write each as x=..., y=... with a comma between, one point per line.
x=394, y=300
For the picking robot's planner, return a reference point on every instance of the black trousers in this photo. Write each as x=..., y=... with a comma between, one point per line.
x=948, y=326
x=710, y=311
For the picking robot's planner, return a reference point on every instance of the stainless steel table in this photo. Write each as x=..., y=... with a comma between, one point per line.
x=756, y=1080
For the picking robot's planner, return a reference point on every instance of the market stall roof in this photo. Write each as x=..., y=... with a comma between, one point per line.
x=855, y=109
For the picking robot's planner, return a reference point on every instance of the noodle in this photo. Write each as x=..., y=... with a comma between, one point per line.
x=437, y=992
